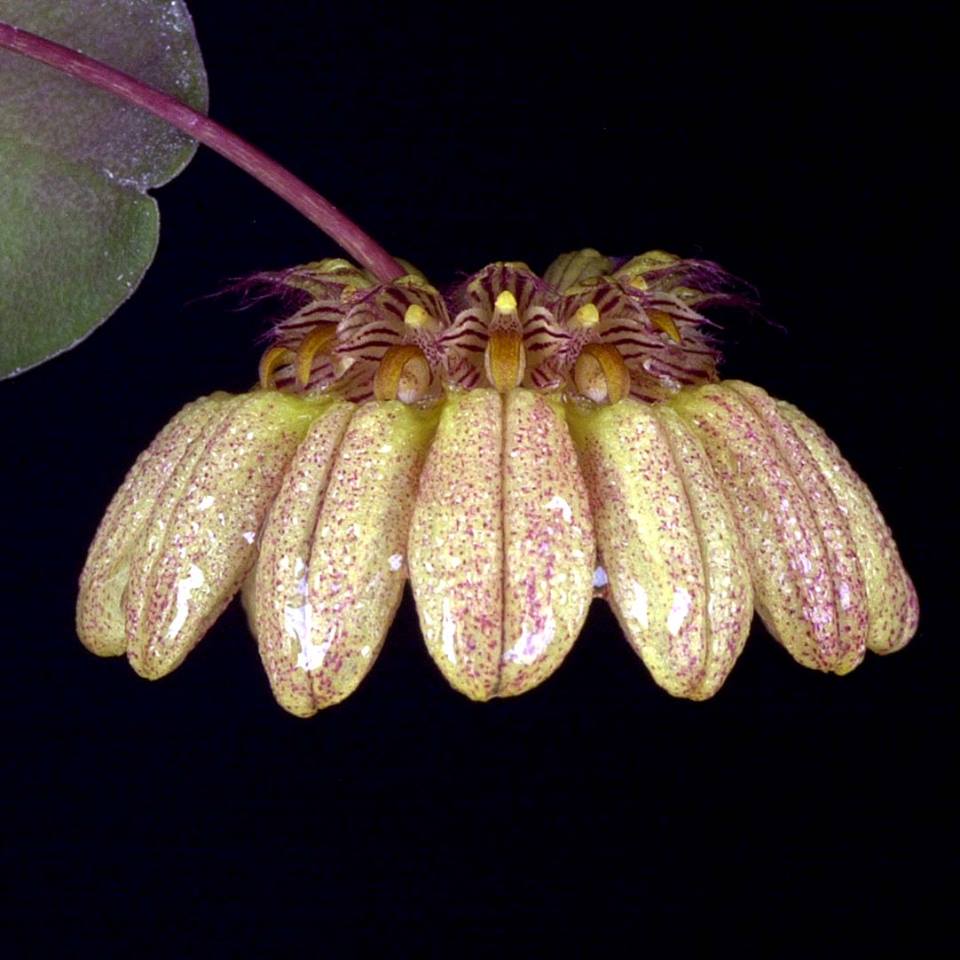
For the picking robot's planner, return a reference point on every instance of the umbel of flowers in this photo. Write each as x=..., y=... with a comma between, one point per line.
x=514, y=448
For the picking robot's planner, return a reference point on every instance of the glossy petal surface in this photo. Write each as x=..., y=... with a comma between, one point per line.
x=279, y=610
x=891, y=598
x=668, y=544
x=200, y=540
x=456, y=543
x=501, y=544
x=843, y=565
x=100, y=617
x=793, y=563
x=549, y=549
x=357, y=564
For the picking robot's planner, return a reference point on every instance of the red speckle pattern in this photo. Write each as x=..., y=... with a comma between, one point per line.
x=199, y=543
x=792, y=567
x=279, y=609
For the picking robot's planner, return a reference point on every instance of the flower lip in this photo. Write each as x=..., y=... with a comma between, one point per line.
x=403, y=374
x=600, y=374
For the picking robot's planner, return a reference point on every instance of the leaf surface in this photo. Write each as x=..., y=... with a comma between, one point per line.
x=77, y=228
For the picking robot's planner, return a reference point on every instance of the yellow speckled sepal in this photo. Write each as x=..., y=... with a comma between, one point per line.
x=501, y=543
x=100, y=617
x=276, y=599
x=199, y=542
x=807, y=580
x=357, y=565
x=891, y=597
x=456, y=539
x=549, y=547
x=678, y=582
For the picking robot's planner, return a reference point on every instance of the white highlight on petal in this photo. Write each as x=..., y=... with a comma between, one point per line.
x=249, y=536
x=637, y=607
x=557, y=502
x=845, y=598
x=396, y=561
x=206, y=503
x=532, y=643
x=312, y=654
x=185, y=587
x=678, y=612
x=448, y=632
x=600, y=579
x=296, y=625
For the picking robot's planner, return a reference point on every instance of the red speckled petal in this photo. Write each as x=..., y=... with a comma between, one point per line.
x=100, y=616
x=358, y=564
x=891, y=597
x=501, y=545
x=727, y=574
x=278, y=607
x=549, y=550
x=790, y=564
x=668, y=544
x=199, y=543
x=853, y=615
x=456, y=543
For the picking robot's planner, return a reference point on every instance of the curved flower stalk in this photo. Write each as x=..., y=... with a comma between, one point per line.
x=515, y=449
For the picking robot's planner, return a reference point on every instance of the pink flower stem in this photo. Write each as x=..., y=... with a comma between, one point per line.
x=315, y=208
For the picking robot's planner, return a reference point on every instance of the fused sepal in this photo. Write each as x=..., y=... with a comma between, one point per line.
x=199, y=542
x=279, y=608
x=501, y=543
x=806, y=576
x=667, y=541
x=357, y=565
x=100, y=616
x=891, y=597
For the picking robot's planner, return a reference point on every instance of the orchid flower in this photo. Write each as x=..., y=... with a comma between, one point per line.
x=514, y=448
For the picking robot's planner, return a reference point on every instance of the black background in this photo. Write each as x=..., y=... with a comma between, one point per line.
x=802, y=151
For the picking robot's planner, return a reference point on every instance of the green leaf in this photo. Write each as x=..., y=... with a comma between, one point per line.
x=77, y=230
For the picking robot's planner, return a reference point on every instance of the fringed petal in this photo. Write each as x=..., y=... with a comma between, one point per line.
x=326, y=279
x=463, y=346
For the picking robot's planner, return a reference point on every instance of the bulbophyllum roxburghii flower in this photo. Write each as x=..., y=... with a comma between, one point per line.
x=515, y=448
